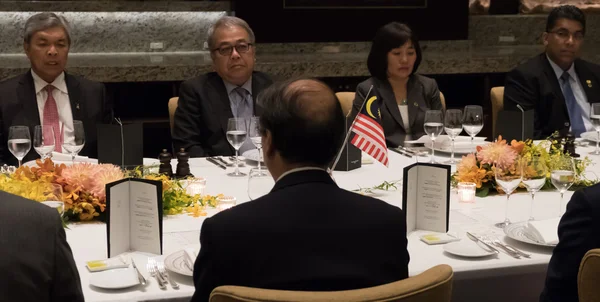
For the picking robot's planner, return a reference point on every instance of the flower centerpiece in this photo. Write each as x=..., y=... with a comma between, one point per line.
x=83, y=186
x=478, y=167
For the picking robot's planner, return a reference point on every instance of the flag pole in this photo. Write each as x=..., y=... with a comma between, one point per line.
x=339, y=154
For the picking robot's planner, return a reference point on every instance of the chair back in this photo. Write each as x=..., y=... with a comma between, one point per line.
x=589, y=277
x=435, y=284
x=443, y=101
x=173, y=102
x=346, y=99
x=497, y=97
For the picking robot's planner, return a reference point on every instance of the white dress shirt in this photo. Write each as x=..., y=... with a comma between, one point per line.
x=235, y=99
x=577, y=91
x=61, y=96
x=404, y=114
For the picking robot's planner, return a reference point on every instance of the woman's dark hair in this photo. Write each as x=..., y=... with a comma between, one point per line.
x=388, y=37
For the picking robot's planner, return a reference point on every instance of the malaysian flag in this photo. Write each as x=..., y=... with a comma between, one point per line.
x=368, y=133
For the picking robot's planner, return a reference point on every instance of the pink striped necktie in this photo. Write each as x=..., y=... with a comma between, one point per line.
x=51, y=119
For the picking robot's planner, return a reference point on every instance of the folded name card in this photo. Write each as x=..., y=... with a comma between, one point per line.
x=426, y=197
x=134, y=220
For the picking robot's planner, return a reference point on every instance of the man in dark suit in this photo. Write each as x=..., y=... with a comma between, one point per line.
x=36, y=260
x=48, y=96
x=557, y=85
x=207, y=102
x=307, y=234
x=578, y=232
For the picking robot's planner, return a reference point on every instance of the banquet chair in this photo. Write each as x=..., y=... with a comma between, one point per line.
x=434, y=284
x=589, y=276
x=346, y=99
x=173, y=102
x=497, y=97
x=443, y=101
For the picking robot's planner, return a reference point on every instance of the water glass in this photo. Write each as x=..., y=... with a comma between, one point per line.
x=534, y=178
x=453, y=127
x=73, y=141
x=237, y=131
x=256, y=138
x=44, y=140
x=434, y=125
x=473, y=120
x=508, y=178
x=19, y=141
x=563, y=177
x=260, y=183
x=595, y=118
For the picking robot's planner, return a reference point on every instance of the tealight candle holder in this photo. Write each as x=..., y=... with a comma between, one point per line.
x=58, y=205
x=225, y=202
x=195, y=186
x=466, y=192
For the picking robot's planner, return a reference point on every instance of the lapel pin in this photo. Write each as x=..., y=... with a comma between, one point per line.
x=416, y=104
x=77, y=106
x=589, y=83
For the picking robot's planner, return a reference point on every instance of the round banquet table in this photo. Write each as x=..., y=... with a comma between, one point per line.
x=501, y=278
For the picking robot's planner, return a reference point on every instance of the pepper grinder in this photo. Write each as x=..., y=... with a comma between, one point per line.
x=183, y=166
x=165, y=163
x=570, y=145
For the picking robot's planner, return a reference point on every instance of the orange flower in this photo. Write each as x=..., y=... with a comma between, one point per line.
x=517, y=145
x=468, y=171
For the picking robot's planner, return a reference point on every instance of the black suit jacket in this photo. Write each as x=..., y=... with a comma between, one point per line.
x=18, y=106
x=200, y=121
x=306, y=234
x=36, y=260
x=534, y=86
x=422, y=95
x=578, y=232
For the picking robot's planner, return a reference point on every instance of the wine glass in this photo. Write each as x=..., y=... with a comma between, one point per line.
x=434, y=124
x=453, y=127
x=260, y=182
x=236, y=136
x=19, y=141
x=53, y=197
x=256, y=138
x=508, y=179
x=563, y=177
x=534, y=178
x=473, y=120
x=44, y=140
x=74, y=141
x=595, y=117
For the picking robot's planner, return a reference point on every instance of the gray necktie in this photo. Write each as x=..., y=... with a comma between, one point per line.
x=243, y=109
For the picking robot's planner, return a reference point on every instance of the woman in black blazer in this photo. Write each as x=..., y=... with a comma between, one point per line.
x=406, y=96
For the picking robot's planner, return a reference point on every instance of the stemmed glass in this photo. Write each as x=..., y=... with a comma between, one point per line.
x=237, y=131
x=508, y=179
x=44, y=140
x=595, y=117
x=19, y=141
x=73, y=144
x=534, y=178
x=434, y=124
x=453, y=127
x=473, y=120
x=563, y=177
x=260, y=183
x=256, y=138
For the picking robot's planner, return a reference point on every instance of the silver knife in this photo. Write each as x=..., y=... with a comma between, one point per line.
x=220, y=165
x=140, y=276
x=491, y=248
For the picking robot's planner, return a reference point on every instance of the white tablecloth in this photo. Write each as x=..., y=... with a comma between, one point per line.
x=490, y=279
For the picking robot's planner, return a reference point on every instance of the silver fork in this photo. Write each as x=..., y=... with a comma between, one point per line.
x=151, y=268
x=510, y=247
x=489, y=241
x=161, y=270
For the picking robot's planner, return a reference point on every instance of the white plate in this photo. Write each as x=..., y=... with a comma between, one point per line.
x=427, y=141
x=251, y=155
x=590, y=136
x=146, y=161
x=176, y=263
x=466, y=248
x=517, y=232
x=115, y=278
x=460, y=148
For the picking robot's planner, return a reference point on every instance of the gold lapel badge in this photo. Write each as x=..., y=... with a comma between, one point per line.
x=589, y=83
x=77, y=106
x=416, y=104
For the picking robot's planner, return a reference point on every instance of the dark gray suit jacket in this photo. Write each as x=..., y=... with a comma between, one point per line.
x=18, y=106
x=200, y=121
x=422, y=95
x=36, y=263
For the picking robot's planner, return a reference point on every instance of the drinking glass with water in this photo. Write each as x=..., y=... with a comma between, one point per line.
x=237, y=131
x=44, y=140
x=434, y=125
x=453, y=127
x=563, y=177
x=473, y=120
x=19, y=141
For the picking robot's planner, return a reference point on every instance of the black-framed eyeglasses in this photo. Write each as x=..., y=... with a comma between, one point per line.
x=240, y=48
x=565, y=34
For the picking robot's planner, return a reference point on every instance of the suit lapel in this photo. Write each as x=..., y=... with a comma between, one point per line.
x=415, y=100
x=588, y=82
x=28, y=100
x=74, y=91
x=387, y=93
x=222, y=104
x=553, y=80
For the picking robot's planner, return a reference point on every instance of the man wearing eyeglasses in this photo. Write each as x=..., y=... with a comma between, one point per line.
x=557, y=84
x=207, y=102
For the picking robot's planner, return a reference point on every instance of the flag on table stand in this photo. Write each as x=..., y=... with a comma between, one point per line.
x=368, y=133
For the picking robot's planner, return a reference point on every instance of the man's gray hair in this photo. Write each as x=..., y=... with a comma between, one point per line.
x=228, y=21
x=44, y=21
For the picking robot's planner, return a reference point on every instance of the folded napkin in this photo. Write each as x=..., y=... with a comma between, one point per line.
x=190, y=256
x=444, y=140
x=57, y=156
x=544, y=231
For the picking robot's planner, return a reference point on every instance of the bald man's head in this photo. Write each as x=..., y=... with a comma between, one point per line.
x=305, y=120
